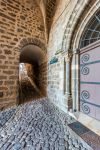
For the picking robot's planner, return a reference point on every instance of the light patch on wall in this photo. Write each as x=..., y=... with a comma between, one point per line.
x=75, y=67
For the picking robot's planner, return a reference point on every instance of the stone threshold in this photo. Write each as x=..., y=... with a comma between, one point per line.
x=91, y=138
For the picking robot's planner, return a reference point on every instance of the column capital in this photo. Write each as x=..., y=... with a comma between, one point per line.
x=68, y=56
x=76, y=51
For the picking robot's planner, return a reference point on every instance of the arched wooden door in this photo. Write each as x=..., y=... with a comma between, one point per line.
x=90, y=80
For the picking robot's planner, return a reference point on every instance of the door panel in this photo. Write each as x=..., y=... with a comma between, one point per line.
x=90, y=82
x=90, y=55
x=90, y=72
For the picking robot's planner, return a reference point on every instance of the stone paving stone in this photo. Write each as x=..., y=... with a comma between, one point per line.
x=39, y=125
x=6, y=115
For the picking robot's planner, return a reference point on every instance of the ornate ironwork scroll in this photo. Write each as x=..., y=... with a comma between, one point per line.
x=85, y=95
x=84, y=69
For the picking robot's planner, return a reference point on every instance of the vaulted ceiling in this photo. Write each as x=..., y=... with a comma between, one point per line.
x=50, y=11
x=50, y=8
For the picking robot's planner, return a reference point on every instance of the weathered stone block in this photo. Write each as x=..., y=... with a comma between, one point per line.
x=3, y=67
x=8, y=72
x=1, y=94
x=7, y=52
x=3, y=88
x=13, y=77
x=3, y=77
x=2, y=57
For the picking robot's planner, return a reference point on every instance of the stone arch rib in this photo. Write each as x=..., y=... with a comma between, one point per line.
x=82, y=23
x=27, y=41
x=79, y=8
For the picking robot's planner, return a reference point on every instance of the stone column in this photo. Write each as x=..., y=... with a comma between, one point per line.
x=68, y=81
x=75, y=80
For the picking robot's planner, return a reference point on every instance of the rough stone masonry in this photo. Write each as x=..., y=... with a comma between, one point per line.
x=18, y=20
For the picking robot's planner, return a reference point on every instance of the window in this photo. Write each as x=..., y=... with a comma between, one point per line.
x=92, y=31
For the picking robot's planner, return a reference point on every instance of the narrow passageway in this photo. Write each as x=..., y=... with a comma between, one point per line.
x=32, y=74
x=39, y=125
x=28, y=82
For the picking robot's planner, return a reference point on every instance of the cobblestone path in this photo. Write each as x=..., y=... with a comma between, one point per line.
x=39, y=125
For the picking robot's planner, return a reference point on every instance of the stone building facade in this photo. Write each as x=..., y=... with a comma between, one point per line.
x=56, y=27
x=69, y=23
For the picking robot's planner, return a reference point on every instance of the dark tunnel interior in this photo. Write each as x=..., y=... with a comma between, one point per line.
x=30, y=74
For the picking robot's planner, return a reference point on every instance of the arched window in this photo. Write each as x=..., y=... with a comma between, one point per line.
x=92, y=31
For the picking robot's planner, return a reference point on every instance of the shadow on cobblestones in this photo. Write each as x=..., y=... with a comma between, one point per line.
x=39, y=125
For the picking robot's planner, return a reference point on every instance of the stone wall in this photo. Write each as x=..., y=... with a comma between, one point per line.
x=59, y=75
x=18, y=20
x=56, y=75
x=43, y=78
x=68, y=24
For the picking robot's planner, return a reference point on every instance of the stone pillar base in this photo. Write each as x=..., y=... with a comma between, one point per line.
x=68, y=99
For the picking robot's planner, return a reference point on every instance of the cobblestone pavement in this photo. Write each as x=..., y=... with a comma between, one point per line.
x=6, y=115
x=39, y=125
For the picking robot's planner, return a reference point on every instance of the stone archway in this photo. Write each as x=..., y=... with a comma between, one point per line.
x=32, y=73
x=70, y=44
x=67, y=42
x=82, y=23
x=71, y=25
x=75, y=47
